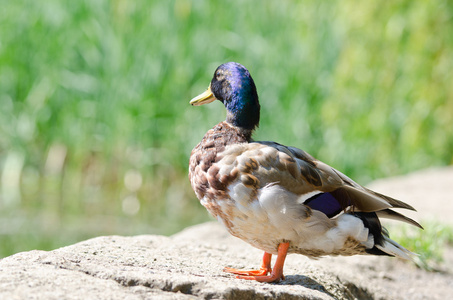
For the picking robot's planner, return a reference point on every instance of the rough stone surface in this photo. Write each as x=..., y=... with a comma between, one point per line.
x=189, y=265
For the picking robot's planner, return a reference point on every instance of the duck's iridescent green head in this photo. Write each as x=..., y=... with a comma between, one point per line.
x=234, y=87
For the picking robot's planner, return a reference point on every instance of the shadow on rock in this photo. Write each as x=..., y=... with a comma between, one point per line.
x=350, y=290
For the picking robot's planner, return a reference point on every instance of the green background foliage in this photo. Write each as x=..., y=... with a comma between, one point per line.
x=95, y=126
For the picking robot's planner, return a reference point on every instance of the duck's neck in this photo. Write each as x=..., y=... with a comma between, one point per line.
x=243, y=113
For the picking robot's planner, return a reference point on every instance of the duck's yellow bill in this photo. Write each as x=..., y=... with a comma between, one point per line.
x=205, y=98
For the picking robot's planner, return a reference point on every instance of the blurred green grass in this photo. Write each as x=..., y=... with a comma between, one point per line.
x=95, y=126
x=429, y=244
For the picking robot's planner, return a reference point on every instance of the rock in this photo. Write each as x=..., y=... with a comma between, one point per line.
x=188, y=265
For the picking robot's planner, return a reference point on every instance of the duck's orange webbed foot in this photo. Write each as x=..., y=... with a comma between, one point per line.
x=261, y=275
x=264, y=270
x=260, y=272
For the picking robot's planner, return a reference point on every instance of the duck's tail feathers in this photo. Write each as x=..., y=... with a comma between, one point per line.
x=391, y=214
x=392, y=248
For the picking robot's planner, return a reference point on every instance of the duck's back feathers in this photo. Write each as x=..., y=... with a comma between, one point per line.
x=312, y=174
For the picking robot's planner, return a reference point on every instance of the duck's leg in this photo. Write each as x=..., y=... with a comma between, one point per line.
x=264, y=270
x=277, y=272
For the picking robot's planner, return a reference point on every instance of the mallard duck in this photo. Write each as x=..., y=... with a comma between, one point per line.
x=278, y=198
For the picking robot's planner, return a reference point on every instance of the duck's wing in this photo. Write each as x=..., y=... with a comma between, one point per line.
x=322, y=187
